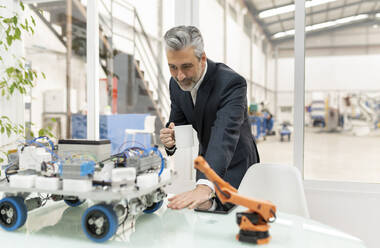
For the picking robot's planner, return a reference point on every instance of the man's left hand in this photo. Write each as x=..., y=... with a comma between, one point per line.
x=196, y=198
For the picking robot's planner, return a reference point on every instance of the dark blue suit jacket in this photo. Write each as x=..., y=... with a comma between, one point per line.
x=221, y=120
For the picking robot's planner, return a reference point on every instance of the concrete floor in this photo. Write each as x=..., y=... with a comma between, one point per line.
x=329, y=156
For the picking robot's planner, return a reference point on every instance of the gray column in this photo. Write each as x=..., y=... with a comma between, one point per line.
x=250, y=67
x=276, y=82
x=92, y=70
x=186, y=12
x=299, y=85
x=225, y=14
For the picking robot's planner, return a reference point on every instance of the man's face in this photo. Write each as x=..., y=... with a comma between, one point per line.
x=185, y=67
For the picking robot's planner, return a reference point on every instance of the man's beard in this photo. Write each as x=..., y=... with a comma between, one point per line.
x=187, y=84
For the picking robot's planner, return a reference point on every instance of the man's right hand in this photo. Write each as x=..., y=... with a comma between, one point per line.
x=167, y=136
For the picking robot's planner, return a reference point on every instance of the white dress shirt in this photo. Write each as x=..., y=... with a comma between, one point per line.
x=193, y=93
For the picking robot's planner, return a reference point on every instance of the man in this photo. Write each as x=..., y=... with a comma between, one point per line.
x=211, y=97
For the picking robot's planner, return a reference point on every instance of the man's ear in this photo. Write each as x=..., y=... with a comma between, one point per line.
x=203, y=58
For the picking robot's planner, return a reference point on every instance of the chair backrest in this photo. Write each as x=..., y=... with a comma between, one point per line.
x=150, y=123
x=280, y=184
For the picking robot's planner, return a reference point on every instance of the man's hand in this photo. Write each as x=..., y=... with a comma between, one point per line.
x=167, y=136
x=196, y=198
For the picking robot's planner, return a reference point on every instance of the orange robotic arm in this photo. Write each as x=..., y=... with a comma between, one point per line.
x=253, y=223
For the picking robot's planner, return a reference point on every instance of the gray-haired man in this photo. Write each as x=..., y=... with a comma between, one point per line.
x=211, y=97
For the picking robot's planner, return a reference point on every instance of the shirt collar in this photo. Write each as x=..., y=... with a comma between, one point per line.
x=196, y=87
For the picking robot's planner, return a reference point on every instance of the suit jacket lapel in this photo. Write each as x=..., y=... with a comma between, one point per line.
x=203, y=94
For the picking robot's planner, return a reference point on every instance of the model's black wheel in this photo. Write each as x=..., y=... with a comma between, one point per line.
x=99, y=223
x=13, y=213
x=156, y=206
x=74, y=202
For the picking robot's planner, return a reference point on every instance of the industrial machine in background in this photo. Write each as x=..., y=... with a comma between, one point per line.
x=253, y=223
x=285, y=131
x=357, y=114
x=361, y=113
x=125, y=184
x=262, y=122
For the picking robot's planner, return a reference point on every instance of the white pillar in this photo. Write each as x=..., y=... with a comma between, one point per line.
x=276, y=82
x=299, y=85
x=92, y=70
x=186, y=12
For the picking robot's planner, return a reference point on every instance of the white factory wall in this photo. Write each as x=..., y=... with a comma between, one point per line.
x=353, y=72
x=238, y=47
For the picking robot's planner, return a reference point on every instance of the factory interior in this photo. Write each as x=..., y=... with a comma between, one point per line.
x=97, y=71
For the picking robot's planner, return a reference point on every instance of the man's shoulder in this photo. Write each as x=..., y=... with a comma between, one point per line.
x=224, y=73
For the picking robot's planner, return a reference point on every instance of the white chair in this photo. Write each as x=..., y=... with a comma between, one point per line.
x=149, y=128
x=280, y=184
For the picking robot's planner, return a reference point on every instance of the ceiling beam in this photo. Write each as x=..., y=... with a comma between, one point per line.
x=39, y=1
x=267, y=24
x=275, y=7
x=253, y=11
x=326, y=30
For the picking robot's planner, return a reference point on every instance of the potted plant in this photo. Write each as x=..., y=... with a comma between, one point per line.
x=15, y=76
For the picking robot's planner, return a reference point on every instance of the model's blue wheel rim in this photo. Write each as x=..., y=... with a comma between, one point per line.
x=13, y=213
x=156, y=206
x=74, y=203
x=91, y=218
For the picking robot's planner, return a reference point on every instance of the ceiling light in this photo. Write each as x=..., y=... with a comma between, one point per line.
x=277, y=11
x=378, y=15
x=290, y=8
x=323, y=25
x=283, y=34
x=313, y=3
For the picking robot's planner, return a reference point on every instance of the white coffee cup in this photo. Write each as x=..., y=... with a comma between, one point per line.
x=184, y=136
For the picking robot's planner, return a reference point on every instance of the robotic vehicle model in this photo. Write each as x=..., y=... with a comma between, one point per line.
x=125, y=184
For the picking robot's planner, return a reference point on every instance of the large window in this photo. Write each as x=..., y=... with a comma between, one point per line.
x=277, y=70
x=342, y=93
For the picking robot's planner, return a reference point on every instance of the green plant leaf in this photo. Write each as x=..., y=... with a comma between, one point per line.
x=9, y=132
x=7, y=20
x=14, y=20
x=9, y=40
x=17, y=34
x=11, y=89
x=10, y=70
